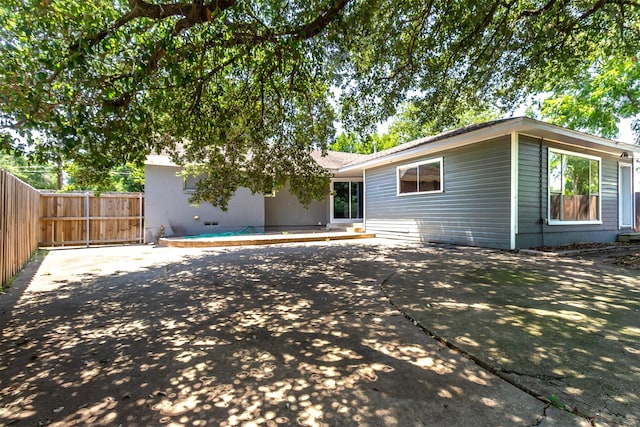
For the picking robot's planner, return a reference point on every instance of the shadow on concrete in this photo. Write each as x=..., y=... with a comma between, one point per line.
x=568, y=329
x=274, y=336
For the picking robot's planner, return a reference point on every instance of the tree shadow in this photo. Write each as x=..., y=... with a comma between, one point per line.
x=566, y=328
x=297, y=334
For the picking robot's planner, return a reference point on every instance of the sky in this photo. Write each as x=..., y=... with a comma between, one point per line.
x=626, y=134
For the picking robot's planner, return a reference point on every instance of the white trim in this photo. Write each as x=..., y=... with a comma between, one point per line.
x=586, y=156
x=331, y=201
x=604, y=149
x=634, y=189
x=558, y=222
x=574, y=153
x=515, y=148
x=622, y=165
x=417, y=165
x=521, y=125
x=364, y=196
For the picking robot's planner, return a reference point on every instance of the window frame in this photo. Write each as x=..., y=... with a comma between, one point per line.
x=552, y=221
x=195, y=179
x=438, y=160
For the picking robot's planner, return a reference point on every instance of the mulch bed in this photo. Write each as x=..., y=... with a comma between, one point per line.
x=622, y=253
x=581, y=246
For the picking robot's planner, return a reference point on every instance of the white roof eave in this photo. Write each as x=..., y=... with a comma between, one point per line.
x=521, y=125
x=159, y=160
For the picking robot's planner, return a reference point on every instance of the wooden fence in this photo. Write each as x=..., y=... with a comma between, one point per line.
x=69, y=219
x=18, y=224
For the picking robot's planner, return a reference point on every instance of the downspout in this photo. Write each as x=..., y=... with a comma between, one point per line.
x=542, y=216
x=364, y=196
x=633, y=191
x=514, y=189
x=140, y=219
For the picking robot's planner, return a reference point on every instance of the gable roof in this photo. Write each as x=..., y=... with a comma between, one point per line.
x=489, y=130
x=333, y=160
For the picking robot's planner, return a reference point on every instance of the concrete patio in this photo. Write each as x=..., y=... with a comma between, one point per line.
x=306, y=334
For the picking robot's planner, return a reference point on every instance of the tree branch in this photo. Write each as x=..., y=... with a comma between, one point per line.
x=316, y=26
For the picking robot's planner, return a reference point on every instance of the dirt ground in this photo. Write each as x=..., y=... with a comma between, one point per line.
x=276, y=335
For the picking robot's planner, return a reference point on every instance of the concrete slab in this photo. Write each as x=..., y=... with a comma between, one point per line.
x=270, y=335
x=565, y=328
x=262, y=239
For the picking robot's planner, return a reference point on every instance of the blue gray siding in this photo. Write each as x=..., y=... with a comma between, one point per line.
x=533, y=199
x=474, y=208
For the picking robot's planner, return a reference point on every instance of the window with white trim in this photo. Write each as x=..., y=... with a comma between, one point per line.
x=574, y=187
x=190, y=182
x=422, y=177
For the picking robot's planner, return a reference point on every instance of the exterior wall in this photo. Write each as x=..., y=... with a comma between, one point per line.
x=284, y=212
x=533, y=199
x=474, y=208
x=167, y=206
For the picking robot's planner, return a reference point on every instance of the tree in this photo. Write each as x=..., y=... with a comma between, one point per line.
x=410, y=124
x=125, y=178
x=606, y=90
x=40, y=176
x=243, y=90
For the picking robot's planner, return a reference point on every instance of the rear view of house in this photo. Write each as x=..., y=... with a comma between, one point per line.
x=507, y=184
x=169, y=213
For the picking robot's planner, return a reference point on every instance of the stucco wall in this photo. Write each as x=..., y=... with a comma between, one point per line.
x=284, y=212
x=167, y=206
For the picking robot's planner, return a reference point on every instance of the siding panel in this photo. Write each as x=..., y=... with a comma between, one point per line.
x=531, y=213
x=473, y=209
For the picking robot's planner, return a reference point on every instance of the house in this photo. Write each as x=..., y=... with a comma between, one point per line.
x=169, y=213
x=507, y=184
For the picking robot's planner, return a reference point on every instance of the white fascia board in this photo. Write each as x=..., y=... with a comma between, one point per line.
x=539, y=129
x=471, y=137
x=159, y=160
x=521, y=125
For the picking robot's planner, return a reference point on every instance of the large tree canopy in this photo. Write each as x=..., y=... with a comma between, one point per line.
x=606, y=90
x=244, y=89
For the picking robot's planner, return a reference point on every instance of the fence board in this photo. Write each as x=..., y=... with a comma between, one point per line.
x=109, y=217
x=18, y=224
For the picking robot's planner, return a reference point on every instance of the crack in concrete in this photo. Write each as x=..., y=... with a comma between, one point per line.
x=486, y=366
x=542, y=417
x=541, y=377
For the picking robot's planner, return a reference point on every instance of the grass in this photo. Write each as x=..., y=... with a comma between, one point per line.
x=37, y=255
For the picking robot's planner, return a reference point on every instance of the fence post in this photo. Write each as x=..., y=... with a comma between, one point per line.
x=140, y=225
x=86, y=212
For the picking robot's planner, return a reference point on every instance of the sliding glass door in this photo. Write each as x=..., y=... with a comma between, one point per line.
x=347, y=201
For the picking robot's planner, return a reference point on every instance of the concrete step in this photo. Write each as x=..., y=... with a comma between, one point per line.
x=356, y=227
x=628, y=237
x=262, y=239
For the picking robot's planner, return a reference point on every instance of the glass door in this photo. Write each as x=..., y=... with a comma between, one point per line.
x=348, y=201
x=626, y=196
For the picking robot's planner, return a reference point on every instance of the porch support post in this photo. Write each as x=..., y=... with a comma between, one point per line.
x=364, y=195
x=514, y=188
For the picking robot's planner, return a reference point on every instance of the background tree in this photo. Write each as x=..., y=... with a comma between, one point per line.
x=410, y=124
x=39, y=176
x=242, y=90
x=606, y=90
x=126, y=178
